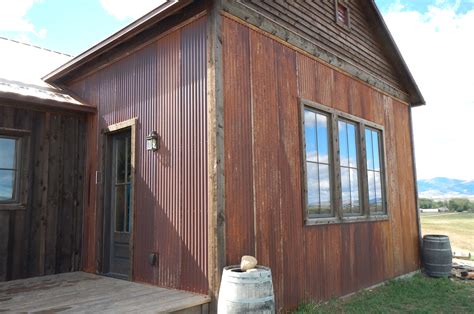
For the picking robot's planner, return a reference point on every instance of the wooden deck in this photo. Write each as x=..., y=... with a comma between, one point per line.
x=83, y=292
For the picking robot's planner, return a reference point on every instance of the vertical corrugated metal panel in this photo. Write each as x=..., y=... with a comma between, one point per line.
x=307, y=261
x=164, y=86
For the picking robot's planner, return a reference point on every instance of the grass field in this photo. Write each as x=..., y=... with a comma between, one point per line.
x=419, y=294
x=458, y=226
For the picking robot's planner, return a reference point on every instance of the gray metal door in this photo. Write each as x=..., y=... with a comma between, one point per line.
x=119, y=212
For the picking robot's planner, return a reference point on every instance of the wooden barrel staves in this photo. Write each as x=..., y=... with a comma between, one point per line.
x=246, y=292
x=437, y=255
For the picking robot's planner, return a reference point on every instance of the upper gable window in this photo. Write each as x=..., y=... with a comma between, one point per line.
x=342, y=14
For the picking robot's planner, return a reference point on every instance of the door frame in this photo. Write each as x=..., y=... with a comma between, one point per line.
x=106, y=135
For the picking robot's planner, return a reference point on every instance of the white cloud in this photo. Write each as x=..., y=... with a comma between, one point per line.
x=438, y=47
x=13, y=19
x=125, y=9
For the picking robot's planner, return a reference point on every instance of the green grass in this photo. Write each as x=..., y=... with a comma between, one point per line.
x=419, y=294
x=458, y=226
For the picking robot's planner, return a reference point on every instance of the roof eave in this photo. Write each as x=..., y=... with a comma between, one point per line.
x=161, y=12
x=416, y=98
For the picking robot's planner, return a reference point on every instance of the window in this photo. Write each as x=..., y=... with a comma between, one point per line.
x=349, y=167
x=343, y=165
x=13, y=147
x=342, y=14
x=8, y=169
x=374, y=170
x=318, y=164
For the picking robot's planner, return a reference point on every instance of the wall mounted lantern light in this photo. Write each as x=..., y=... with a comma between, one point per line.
x=152, y=142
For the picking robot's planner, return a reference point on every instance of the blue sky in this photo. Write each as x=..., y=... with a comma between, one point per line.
x=434, y=36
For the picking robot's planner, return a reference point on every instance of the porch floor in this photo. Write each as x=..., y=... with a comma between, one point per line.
x=83, y=292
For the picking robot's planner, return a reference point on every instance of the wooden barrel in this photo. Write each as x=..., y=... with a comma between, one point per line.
x=437, y=255
x=246, y=292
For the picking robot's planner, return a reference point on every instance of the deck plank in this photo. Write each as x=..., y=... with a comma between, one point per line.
x=80, y=292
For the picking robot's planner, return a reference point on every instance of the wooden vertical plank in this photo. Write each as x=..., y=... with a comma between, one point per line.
x=55, y=186
x=238, y=142
x=79, y=194
x=4, y=244
x=36, y=248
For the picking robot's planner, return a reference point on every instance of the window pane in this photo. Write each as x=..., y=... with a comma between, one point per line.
x=351, y=138
x=343, y=147
x=313, y=187
x=375, y=143
x=372, y=190
x=7, y=153
x=355, y=204
x=346, y=190
x=119, y=208
x=128, y=208
x=7, y=184
x=120, y=159
x=129, y=161
x=369, y=148
x=378, y=191
x=325, y=189
x=310, y=135
x=323, y=141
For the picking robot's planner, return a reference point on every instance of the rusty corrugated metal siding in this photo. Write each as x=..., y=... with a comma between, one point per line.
x=164, y=86
x=263, y=80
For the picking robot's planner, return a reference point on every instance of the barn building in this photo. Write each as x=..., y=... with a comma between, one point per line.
x=207, y=130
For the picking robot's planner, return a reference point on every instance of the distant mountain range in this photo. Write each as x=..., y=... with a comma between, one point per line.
x=445, y=188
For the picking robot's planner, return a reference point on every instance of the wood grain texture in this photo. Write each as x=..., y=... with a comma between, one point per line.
x=308, y=262
x=80, y=292
x=46, y=236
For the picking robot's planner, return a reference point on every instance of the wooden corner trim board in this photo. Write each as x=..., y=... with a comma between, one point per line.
x=304, y=46
x=215, y=150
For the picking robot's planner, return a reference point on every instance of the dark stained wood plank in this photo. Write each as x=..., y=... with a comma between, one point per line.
x=238, y=142
x=4, y=244
x=55, y=188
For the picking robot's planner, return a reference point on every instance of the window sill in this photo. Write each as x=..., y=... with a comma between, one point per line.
x=353, y=219
x=12, y=206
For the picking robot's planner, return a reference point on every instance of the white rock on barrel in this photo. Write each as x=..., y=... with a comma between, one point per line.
x=248, y=262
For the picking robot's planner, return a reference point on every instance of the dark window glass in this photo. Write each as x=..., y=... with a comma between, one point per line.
x=8, y=168
x=317, y=164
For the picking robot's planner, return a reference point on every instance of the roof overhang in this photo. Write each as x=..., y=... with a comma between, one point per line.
x=166, y=9
x=416, y=98
x=40, y=96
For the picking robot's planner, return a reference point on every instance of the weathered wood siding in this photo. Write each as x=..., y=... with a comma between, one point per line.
x=163, y=85
x=263, y=179
x=46, y=237
x=310, y=25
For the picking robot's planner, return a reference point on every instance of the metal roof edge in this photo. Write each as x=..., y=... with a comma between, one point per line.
x=418, y=99
x=161, y=12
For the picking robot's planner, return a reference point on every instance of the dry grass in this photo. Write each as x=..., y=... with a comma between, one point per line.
x=458, y=226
